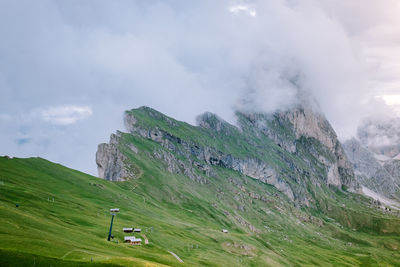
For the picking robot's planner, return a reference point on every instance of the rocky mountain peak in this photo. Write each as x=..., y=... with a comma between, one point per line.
x=309, y=123
x=286, y=149
x=286, y=128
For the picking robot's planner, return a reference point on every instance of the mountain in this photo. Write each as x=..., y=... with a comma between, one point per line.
x=290, y=150
x=279, y=183
x=371, y=173
x=374, y=155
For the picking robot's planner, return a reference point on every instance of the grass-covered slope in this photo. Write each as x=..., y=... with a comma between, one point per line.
x=259, y=143
x=181, y=216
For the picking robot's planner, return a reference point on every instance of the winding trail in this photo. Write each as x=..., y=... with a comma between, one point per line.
x=176, y=256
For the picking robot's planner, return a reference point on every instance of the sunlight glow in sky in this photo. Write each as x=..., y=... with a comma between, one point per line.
x=391, y=99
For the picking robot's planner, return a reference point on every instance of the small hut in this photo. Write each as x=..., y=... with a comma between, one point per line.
x=225, y=231
x=128, y=239
x=132, y=240
x=137, y=230
x=136, y=241
x=127, y=230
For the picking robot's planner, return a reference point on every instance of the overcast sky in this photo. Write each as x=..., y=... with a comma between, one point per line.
x=68, y=69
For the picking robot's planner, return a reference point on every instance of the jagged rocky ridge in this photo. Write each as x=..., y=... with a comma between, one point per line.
x=376, y=168
x=369, y=171
x=290, y=150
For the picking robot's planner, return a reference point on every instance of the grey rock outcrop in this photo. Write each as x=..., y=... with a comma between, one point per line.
x=112, y=163
x=288, y=127
x=370, y=173
x=393, y=168
x=311, y=124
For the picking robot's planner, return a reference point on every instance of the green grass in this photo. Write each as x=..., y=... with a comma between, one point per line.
x=336, y=228
x=182, y=216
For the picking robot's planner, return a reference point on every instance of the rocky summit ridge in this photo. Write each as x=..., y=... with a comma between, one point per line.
x=293, y=150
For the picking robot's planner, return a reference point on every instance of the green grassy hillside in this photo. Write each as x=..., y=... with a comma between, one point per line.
x=184, y=217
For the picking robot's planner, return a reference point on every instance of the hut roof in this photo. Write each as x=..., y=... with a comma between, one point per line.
x=132, y=239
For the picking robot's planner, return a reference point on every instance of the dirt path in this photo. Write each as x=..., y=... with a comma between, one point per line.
x=176, y=256
x=146, y=241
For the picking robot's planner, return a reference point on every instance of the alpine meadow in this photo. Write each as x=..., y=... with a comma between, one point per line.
x=199, y=133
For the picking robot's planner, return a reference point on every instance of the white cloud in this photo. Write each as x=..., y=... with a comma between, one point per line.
x=184, y=58
x=243, y=8
x=391, y=99
x=64, y=115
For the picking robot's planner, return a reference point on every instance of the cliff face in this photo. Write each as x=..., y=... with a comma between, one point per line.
x=314, y=125
x=112, y=164
x=289, y=150
x=289, y=127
